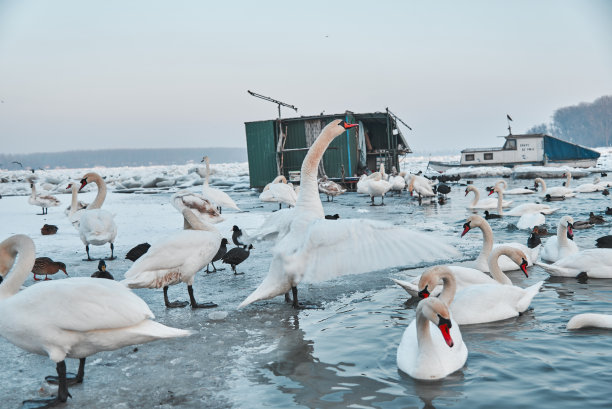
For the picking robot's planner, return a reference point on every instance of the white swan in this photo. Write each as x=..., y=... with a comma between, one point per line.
x=590, y=320
x=596, y=186
x=43, y=201
x=398, y=183
x=465, y=276
x=421, y=187
x=521, y=209
x=97, y=226
x=71, y=318
x=481, y=303
x=529, y=220
x=561, y=245
x=594, y=263
x=557, y=191
x=516, y=191
x=280, y=192
x=175, y=259
x=217, y=196
x=200, y=206
x=506, y=264
x=431, y=346
x=362, y=184
x=316, y=249
x=75, y=203
x=376, y=187
x=75, y=210
x=490, y=203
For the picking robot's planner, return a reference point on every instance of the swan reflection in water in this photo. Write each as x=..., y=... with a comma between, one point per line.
x=313, y=383
x=449, y=388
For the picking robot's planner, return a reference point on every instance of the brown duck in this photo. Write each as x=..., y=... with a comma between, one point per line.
x=48, y=229
x=45, y=266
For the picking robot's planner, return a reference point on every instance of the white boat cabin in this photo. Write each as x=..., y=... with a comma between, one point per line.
x=531, y=149
x=516, y=149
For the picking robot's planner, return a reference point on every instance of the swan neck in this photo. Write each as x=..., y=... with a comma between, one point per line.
x=309, y=187
x=500, y=199
x=568, y=180
x=26, y=253
x=487, y=238
x=195, y=222
x=495, y=270
x=422, y=328
x=562, y=239
x=476, y=197
x=100, y=196
x=75, y=200
x=207, y=172
x=449, y=287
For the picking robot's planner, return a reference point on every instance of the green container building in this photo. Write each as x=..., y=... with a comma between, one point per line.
x=377, y=140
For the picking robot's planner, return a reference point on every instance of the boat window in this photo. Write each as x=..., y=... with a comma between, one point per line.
x=510, y=144
x=488, y=156
x=469, y=156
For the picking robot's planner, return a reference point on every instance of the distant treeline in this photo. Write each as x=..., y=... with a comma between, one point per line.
x=587, y=124
x=121, y=157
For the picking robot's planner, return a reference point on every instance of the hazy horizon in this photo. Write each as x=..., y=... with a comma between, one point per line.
x=157, y=74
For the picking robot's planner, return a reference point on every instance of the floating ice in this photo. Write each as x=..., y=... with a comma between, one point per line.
x=217, y=315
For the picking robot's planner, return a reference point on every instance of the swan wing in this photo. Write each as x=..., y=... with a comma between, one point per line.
x=82, y=304
x=283, y=193
x=352, y=246
x=274, y=227
x=597, y=263
x=97, y=224
x=529, y=220
x=491, y=302
x=185, y=252
x=518, y=191
x=219, y=197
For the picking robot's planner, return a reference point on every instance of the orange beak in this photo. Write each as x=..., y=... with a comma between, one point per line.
x=445, y=326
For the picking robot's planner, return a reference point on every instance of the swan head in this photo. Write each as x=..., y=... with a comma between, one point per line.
x=224, y=241
x=470, y=188
x=437, y=312
x=569, y=222
x=496, y=189
x=514, y=254
x=347, y=125
x=431, y=278
x=205, y=159
x=471, y=222
x=88, y=178
x=236, y=229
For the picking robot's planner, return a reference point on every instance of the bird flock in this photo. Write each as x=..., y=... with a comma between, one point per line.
x=85, y=315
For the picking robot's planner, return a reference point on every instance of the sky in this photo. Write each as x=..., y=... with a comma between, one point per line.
x=106, y=74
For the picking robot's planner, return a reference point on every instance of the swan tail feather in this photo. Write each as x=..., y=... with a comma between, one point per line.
x=160, y=331
x=270, y=287
x=553, y=269
x=529, y=293
x=408, y=286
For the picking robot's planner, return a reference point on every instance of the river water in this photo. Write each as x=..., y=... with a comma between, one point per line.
x=339, y=356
